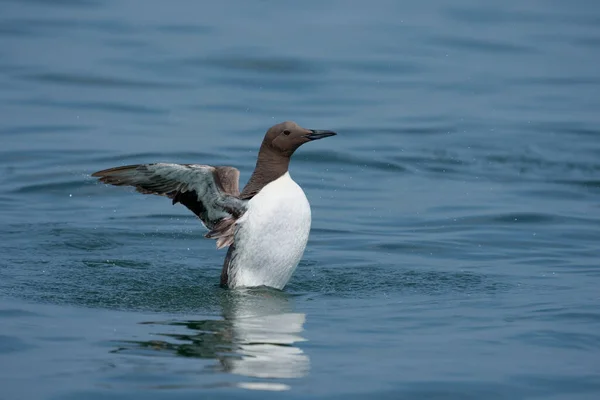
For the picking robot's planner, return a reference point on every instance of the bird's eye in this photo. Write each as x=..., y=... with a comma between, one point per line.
x=286, y=132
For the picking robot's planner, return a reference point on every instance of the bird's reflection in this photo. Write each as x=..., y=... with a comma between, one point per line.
x=256, y=338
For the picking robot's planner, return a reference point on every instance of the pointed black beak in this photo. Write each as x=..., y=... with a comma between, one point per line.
x=317, y=134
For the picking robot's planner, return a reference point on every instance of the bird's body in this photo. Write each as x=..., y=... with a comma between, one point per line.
x=266, y=226
x=271, y=236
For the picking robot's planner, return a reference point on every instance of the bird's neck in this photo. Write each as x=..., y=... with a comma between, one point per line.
x=270, y=166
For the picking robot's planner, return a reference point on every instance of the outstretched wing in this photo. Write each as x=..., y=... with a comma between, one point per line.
x=209, y=192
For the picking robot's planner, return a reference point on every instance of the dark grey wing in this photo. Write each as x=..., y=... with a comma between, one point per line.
x=209, y=192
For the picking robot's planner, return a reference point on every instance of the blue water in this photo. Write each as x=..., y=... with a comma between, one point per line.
x=455, y=245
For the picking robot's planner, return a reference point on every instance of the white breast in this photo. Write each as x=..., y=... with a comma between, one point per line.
x=272, y=236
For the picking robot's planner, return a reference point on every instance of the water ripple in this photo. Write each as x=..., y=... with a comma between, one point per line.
x=36, y=129
x=350, y=281
x=482, y=45
x=90, y=80
x=110, y=107
x=336, y=158
x=53, y=188
x=264, y=65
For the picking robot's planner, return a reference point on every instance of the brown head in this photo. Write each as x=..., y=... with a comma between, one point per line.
x=286, y=137
x=277, y=147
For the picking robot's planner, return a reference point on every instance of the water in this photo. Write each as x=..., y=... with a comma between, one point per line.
x=454, y=250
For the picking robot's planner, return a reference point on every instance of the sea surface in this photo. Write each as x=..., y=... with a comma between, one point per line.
x=455, y=244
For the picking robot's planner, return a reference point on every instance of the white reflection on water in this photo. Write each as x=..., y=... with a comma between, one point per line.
x=257, y=338
x=265, y=332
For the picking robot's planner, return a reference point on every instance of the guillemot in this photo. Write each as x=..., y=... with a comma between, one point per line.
x=265, y=226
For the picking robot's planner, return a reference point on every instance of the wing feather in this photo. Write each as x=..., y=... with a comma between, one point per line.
x=209, y=192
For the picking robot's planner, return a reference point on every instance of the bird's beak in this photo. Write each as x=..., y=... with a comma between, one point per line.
x=317, y=134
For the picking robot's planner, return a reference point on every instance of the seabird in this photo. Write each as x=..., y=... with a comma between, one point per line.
x=265, y=227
